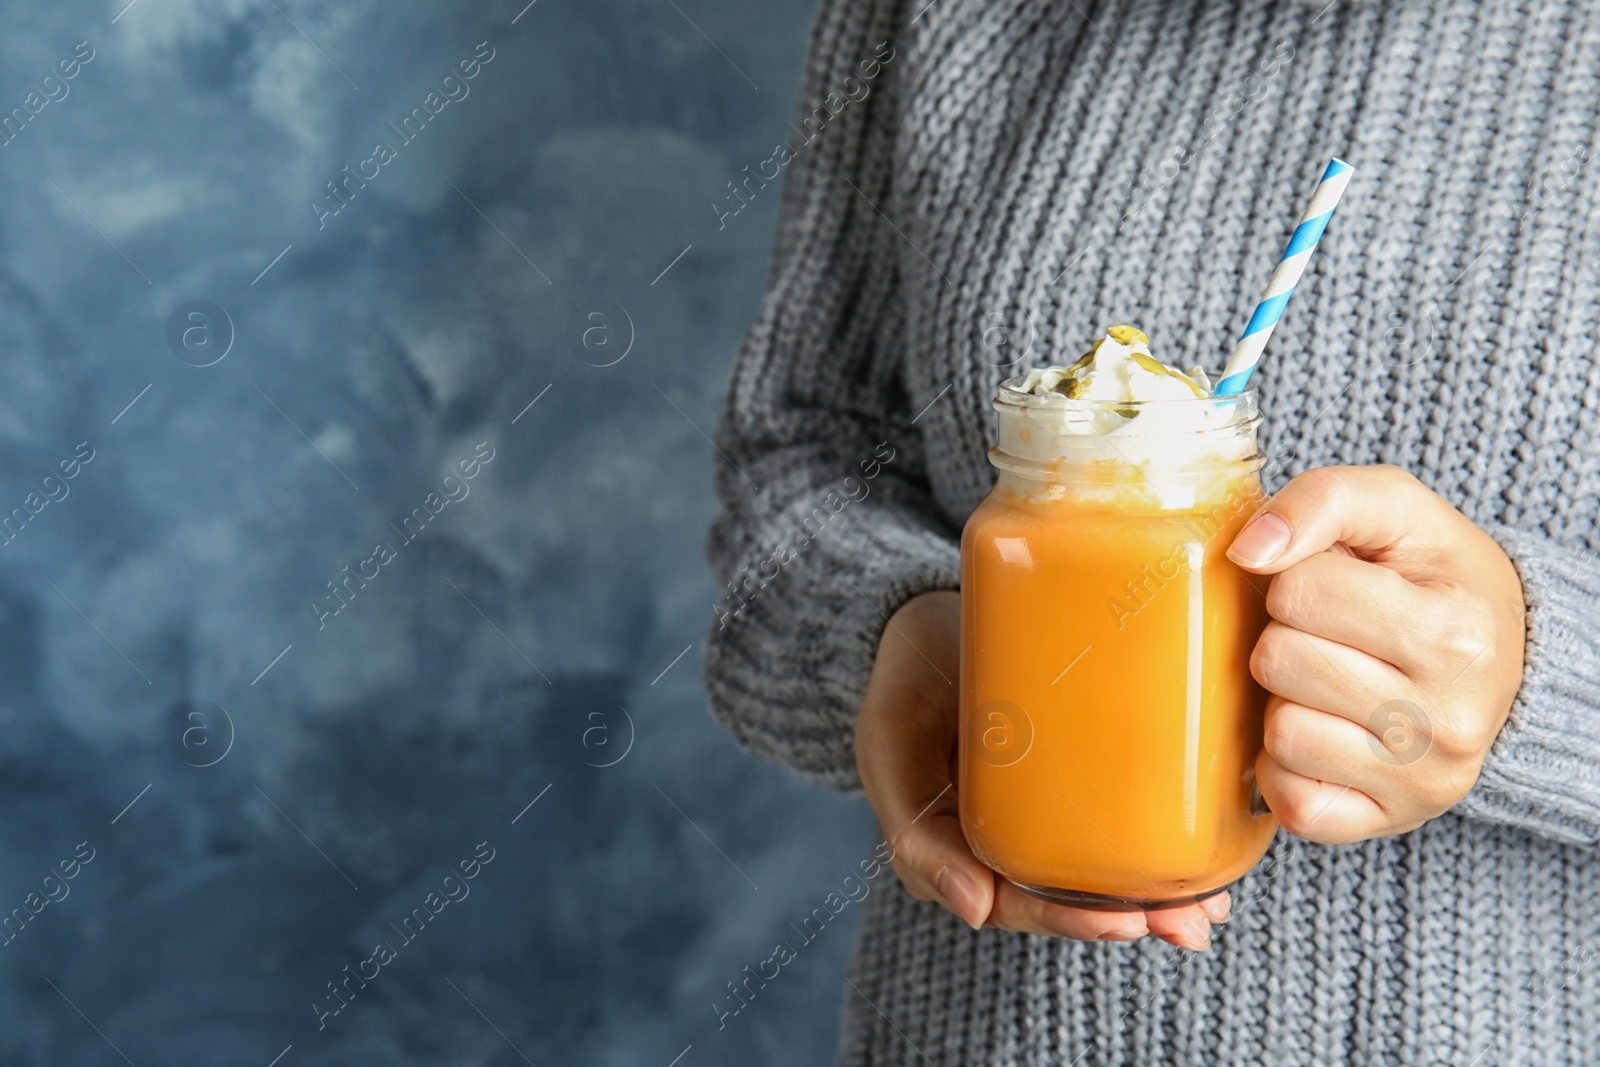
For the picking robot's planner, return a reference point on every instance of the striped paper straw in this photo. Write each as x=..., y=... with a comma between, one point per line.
x=1247, y=353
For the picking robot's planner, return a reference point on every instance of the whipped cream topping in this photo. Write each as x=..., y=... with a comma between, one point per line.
x=1118, y=366
x=1120, y=405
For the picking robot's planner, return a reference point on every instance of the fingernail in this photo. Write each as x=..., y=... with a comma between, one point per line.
x=1262, y=540
x=961, y=895
x=1122, y=935
x=1218, y=908
x=1196, y=936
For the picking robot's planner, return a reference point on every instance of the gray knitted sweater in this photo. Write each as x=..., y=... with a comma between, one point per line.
x=1054, y=166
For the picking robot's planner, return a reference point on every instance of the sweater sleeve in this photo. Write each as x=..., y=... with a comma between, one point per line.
x=827, y=524
x=1543, y=773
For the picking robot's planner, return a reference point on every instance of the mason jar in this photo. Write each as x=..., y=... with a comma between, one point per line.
x=1109, y=721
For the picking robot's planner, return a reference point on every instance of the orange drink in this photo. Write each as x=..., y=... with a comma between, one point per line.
x=1109, y=721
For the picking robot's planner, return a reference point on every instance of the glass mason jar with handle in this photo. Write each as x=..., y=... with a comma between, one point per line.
x=1109, y=721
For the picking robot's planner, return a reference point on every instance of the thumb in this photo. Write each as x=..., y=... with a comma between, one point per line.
x=932, y=855
x=1378, y=513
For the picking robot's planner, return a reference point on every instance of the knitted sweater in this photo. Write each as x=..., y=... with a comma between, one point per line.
x=1054, y=166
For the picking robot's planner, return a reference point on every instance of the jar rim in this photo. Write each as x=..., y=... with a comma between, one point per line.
x=1179, y=441
x=1011, y=396
x=1237, y=412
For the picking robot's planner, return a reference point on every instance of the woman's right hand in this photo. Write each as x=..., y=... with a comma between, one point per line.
x=906, y=753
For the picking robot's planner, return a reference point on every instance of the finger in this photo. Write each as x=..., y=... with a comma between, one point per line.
x=1326, y=675
x=1324, y=812
x=1365, y=606
x=1328, y=748
x=1028, y=914
x=1381, y=513
x=1218, y=906
x=1187, y=927
x=933, y=859
x=904, y=758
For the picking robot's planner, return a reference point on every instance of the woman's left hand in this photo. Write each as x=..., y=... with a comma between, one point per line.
x=1392, y=656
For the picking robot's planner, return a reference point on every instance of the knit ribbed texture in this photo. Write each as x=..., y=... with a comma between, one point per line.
x=1010, y=162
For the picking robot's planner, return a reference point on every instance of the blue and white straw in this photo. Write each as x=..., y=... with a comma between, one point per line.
x=1247, y=353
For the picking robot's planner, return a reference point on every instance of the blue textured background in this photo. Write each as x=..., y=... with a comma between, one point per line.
x=494, y=656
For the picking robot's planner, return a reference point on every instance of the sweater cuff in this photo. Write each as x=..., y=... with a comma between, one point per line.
x=864, y=612
x=1543, y=772
x=786, y=675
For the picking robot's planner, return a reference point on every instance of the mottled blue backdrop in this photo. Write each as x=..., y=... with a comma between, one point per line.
x=304, y=604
